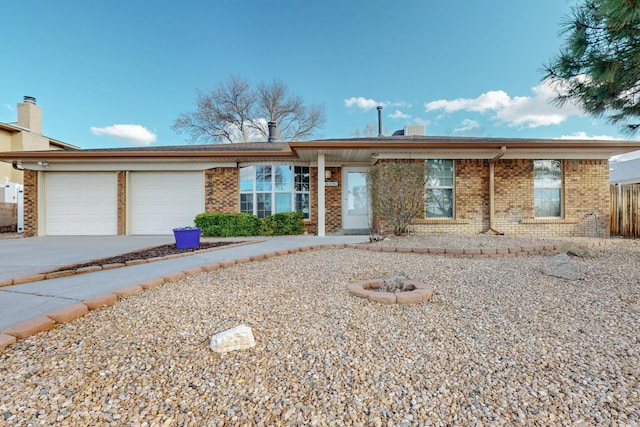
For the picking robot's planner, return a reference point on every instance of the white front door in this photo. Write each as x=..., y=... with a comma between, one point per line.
x=356, y=206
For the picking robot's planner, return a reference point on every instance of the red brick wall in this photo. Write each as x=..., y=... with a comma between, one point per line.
x=333, y=202
x=122, y=203
x=513, y=192
x=585, y=200
x=221, y=189
x=30, y=182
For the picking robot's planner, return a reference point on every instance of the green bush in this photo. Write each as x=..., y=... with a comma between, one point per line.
x=281, y=224
x=220, y=224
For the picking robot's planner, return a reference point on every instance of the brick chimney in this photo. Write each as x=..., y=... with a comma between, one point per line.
x=30, y=115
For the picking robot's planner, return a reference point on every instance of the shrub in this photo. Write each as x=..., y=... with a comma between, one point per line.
x=220, y=224
x=281, y=224
x=397, y=193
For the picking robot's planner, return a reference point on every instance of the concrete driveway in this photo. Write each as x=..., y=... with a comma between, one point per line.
x=32, y=255
x=22, y=257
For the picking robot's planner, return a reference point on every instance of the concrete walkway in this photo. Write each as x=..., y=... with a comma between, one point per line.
x=22, y=257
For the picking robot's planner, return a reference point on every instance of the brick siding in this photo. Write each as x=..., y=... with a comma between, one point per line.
x=122, y=203
x=221, y=189
x=333, y=201
x=30, y=182
x=585, y=200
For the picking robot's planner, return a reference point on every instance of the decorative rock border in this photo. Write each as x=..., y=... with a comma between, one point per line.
x=364, y=289
x=66, y=314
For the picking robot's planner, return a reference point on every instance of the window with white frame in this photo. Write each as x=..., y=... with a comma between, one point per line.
x=547, y=188
x=439, y=185
x=269, y=189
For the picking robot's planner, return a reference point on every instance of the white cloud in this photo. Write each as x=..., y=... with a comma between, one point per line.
x=399, y=115
x=492, y=100
x=135, y=134
x=468, y=125
x=519, y=111
x=583, y=136
x=368, y=103
x=362, y=103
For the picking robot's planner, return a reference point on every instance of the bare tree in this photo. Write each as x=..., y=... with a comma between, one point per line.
x=294, y=120
x=397, y=193
x=234, y=112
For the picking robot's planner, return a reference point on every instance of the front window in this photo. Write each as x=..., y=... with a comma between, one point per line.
x=269, y=189
x=439, y=195
x=547, y=184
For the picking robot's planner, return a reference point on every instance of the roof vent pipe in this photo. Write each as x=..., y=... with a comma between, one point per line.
x=379, y=107
x=273, y=136
x=30, y=100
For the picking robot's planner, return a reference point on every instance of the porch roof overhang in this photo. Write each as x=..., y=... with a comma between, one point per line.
x=369, y=150
x=153, y=157
x=344, y=151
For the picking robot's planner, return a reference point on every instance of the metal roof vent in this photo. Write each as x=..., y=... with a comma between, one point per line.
x=30, y=100
x=273, y=132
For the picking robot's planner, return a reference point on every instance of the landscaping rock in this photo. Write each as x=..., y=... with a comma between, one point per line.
x=238, y=338
x=561, y=266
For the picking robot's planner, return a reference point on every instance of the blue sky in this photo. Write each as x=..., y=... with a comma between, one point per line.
x=118, y=73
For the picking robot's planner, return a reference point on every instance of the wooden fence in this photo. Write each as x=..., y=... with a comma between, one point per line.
x=625, y=210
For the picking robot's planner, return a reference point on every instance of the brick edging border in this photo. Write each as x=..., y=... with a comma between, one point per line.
x=66, y=314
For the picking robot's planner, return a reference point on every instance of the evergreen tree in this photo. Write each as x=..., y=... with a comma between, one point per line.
x=599, y=65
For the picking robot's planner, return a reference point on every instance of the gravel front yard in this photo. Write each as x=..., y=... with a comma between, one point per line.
x=499, y=344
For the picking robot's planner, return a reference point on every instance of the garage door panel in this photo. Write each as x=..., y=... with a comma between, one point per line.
x=81, y=203
x=162, y=201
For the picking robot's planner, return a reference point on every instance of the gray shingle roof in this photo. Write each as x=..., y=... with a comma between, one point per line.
x=626, y=172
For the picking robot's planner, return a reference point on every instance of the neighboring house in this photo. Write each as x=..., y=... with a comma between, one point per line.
x=25, y=135
x=512, y=186
x=625, y=172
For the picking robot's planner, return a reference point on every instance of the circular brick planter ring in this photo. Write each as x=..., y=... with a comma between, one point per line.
x=365, y=289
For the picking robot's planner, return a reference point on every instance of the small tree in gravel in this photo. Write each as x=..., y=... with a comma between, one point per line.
x=397, y=193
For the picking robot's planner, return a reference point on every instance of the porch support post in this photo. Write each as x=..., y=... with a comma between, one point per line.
x=321, y=207
x=492, y=190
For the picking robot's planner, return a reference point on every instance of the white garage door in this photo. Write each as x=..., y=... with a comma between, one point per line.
x=162, y=201
x=81, y=203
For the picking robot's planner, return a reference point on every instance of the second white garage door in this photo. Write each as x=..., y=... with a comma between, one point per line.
x=162, y=201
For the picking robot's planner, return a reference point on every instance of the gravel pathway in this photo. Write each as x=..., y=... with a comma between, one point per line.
x=499, y=344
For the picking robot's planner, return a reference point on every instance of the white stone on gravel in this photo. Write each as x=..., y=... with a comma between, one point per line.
x=500, y=343
x=238, y=338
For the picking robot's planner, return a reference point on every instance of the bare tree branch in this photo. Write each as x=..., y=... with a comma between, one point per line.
x=235, y=112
